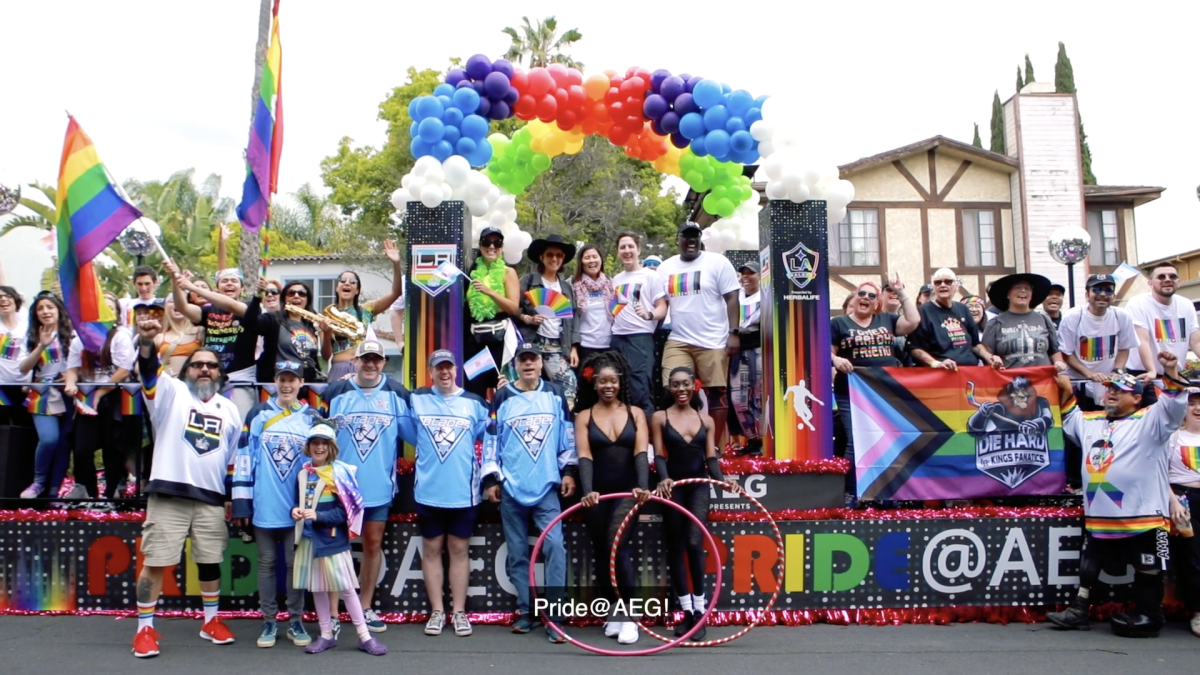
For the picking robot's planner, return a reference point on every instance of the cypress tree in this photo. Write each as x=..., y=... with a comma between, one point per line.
x=1028, y=70
x=976, y=141
x=1064, y=83
x=997, y=142
x=1020, y=82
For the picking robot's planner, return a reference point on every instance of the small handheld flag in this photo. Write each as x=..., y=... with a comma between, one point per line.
x=479, y=363
x=447, y=271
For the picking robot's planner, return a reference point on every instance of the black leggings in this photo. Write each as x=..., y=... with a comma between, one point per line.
x=684, y=538
x=602, y=521
x=104, y=432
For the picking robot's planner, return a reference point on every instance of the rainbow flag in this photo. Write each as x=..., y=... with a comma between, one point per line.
x=10, y=347
x=1097, y=348
x=1169, y=330
x=557, y=302
x=1191, y=456
x=316, y=400
x=921, y=433
x=266, y=137
x=623, y=296
x=131, y=400
x=91, y=213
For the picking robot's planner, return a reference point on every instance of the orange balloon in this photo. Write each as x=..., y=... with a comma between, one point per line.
x=596, y=85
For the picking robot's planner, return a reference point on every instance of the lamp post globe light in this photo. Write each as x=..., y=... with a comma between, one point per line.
x=1070, y=244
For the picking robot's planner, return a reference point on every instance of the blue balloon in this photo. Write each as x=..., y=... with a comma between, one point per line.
x=655, y=107
x=758, y=102
x=466, y=100
x=465, y=146
x=453, y=117
x=455, y=76
x=698, y=147
x=741, y=141
x=684, y=104
x=419, y=148
x=485, y=108
x=500, y=111
x=717, y=144
x=707, y=93
x=428, y=106
x=678, y=140
x=670, y=122
x=657, y=78
x=692, y=82
x=413, y=130
x=442, y=150
x=672, y=87
x=734, y=125
x=444, y=89
x=716, y=117
x=478, y=67
x=691, y=126
x=446, y=102
x=482, y=154
x=412, y=107
x=474, y=126
x=504, y=67
x=431, y=130
x=740, y=102
x=726, y=89
x=752, y=156
x=752, y=115
x=451, y=134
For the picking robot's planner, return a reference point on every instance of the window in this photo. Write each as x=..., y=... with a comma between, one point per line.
x=857, y=239
x=322, y=287
x=979, y=238
x=1106, y=243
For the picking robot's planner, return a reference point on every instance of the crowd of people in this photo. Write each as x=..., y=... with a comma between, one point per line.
x=640, y=373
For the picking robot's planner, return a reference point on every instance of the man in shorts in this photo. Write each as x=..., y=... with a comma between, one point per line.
x=702, y=296
x=196, y=431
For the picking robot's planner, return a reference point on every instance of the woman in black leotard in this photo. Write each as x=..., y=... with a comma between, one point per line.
x=685, y=448
x=611, y=438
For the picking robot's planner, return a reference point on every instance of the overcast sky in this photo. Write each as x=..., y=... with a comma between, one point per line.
x=162, y=86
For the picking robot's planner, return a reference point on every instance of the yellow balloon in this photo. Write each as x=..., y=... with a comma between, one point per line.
x=537, y=144
x=554, y=144
x=573, y=147
x=538, y=128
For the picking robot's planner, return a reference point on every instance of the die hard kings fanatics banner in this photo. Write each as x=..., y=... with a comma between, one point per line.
x=921, y=433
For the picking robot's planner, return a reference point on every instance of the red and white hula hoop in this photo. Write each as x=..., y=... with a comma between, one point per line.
x=612, y=564
x=537, y=547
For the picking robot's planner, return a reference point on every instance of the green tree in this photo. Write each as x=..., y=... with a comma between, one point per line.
x=1064, y=83
x=1028, y=70
x=312, y=218
x=188, y=214
x=997, y=141
x=541, y=45
x=1020, y=82
x=976, y=141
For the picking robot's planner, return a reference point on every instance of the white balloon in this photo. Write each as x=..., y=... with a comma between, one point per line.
x=408, y=178
x=510, y=229
x=457, y=170
x=478, y=185
x=833, y=216
x=762, y=130
x=506, y=202
x=792, y=180
x=424, y=164
x=776, y=190
x=414, y=190
x=774, y=167
x=399, y=198
x=816, y=192
x=512, y=254
x=477, y=207
x=431, y=195
x=766, y=148
x=493, y=194
x=435, y=175
x=801, y=194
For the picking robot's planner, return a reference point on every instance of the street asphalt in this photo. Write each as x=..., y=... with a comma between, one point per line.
x=101, y=645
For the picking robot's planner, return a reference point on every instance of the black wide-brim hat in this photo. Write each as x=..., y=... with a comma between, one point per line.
x=998, y=291
x=539, y=246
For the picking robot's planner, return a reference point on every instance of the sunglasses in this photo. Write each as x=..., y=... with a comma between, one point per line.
x=206, y=365
x=297, y=293
x=943, y=282
x=1103, y=290
x=492, y=243
x=865, y=294
x=270, y=291
x=1166, y=277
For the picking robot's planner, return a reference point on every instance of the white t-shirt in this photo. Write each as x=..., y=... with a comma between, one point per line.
x=121, y=350
x=1095, y=340
x=551, y=329
x=749, y=313
x=595, y=324
x=695, y=292
x=126, y=306
x=12, y=350
x=1184, y=459
x=643, y=287
x=1170, y=326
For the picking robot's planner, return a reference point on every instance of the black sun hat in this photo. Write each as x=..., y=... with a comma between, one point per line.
x=539, y=246
x=998, y=291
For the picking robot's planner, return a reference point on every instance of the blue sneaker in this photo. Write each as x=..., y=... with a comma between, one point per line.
x=374, y=623
x=269, y=631
x=553, y=637
x=297, y=634
x=524, y=624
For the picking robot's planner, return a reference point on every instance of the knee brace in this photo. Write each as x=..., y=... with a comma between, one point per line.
x=717, y=398
x=208, y=571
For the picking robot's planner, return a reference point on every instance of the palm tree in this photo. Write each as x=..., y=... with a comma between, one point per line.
x=541, y=43
x=186, y=213
x=43, y=217
x=250, y=249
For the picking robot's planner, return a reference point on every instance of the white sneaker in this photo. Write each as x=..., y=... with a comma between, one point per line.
x=611, y=628
x=1195, y=623
x=628, y=634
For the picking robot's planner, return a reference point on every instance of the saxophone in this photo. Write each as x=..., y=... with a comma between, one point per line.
x=340, y=323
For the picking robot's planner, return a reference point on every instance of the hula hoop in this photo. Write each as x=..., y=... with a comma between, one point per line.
x=612, y=564
x=615, y=652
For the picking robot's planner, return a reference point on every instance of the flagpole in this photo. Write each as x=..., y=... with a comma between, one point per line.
x=146, y=228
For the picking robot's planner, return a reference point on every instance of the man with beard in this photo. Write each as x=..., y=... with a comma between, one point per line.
x=1125, y=502
x=1162, y=320
x=196, y=431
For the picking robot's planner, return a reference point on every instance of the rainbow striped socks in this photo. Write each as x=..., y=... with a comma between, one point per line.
x=146, y=615
x=211, y=601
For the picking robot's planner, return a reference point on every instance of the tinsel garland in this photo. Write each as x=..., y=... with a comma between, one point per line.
x=482, y=307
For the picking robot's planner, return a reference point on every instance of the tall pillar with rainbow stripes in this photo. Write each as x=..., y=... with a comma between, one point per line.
x=797, y=365
x=433, y=317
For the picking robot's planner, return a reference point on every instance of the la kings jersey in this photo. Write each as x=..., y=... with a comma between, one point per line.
x=530, y=441
x=267, y=461
x=448, y=470
x=370, y=425
x=1125, y=465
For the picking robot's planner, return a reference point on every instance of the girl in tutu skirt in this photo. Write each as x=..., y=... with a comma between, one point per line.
x=329, y=513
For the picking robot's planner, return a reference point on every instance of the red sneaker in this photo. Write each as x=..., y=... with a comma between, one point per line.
x=145, y=643
x=217, y=632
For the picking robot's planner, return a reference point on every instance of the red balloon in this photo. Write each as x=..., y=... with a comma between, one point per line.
x=576, y=96
x=631, y=71
x=540, y=82
x=616, y=111
x=520, y=81
x=631, y=151
x=618, y=136
x=574, y=77
x=588, y=125
x=562, y=97
x=616, y=79
x=632, y=85
x=525, y=107
x=559, y=73
x=567, y=119
x=547, y=108
x=612, y=96
x=646, y=75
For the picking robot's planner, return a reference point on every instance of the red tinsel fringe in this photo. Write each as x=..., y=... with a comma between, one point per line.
x=741, y=466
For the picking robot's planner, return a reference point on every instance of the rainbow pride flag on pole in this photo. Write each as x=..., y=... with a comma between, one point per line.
x=91, y=213
x=266, y=137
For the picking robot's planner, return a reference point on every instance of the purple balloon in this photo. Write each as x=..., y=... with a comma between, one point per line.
x=657, y=78
x=495, y=85
x=657, y=127
x=655, y=107
x=684, y=104
x=478, y=67
x=478, y=86
x=692, y=82
x=669, y=122
x=685, y=77
x=672, y=87
x=504, y=67
x=677, y=140
x=465, y=84
x=485, y=107
x=500, y=111
x=457, y=75
x=512, y=96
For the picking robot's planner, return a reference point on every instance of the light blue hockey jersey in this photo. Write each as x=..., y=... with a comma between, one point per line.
x=448, y=470
x=530, y=442
x=370, y=425
x=267, y=460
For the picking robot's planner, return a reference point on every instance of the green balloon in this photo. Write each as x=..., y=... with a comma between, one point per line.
x=524, y=154
x=710, y=204
x=541, y=161
x=724, y=208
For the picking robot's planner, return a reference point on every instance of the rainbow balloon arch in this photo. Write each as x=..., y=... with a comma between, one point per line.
x=694, y=128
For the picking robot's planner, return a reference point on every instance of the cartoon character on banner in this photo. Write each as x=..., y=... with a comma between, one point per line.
x=1010, y=433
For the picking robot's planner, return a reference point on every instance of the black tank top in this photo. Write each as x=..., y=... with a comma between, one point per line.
x=613, y=460
x=685, y=459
